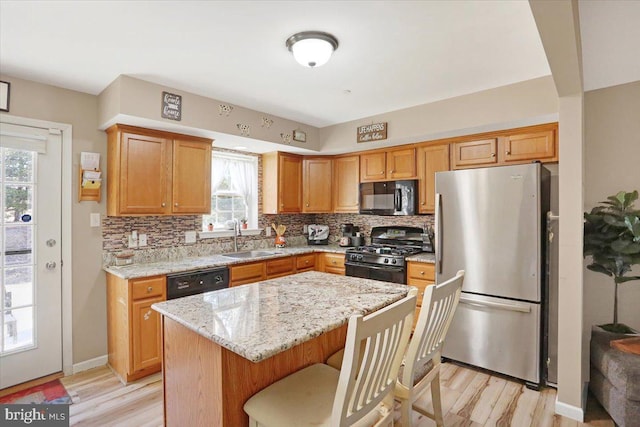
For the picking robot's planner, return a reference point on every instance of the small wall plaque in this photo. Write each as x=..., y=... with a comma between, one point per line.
x=171, y=106
x=5, y=87
x=299, y=136
x=372, y=132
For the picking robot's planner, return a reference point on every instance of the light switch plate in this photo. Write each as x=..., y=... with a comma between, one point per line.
x=142, y=240
x=190, y=237
x=94, y=220
x=133, y=242
x=267, y=231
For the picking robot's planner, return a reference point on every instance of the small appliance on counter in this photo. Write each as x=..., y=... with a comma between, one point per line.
x=318, y=234
x=350, y=235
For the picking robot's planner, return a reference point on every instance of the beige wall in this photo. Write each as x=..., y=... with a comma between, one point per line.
x=525, y=103
x=43, y=102
x=612, y=159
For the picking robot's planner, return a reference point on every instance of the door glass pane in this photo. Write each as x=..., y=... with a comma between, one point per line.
x=17, y=192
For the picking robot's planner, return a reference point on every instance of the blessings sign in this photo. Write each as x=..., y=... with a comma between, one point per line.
x=372, y=132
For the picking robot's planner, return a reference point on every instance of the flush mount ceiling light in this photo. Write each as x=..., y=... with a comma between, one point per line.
x=312, y=48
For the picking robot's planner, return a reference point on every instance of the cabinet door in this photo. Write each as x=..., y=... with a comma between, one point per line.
x=144, y=168
x=146, y=335
x=346, y=184
x=316, y=185
x=247, y=273
x=191, y=177
x=333, y=263
x=306, y=262
x=280, y=267
x=430, y=160
x=401, y=164
x=372, y=167
x=475, y=153
x=290, y=183
x=529, y=146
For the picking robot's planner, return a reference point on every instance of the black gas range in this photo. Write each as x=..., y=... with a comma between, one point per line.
x=384, y=259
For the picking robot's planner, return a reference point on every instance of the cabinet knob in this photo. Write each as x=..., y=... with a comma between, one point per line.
x=507, y=153
x=163, y=204
x=423, y=203
x=422, y=273
x=176, y=205
x=333, y=262
x=149, y=289
x=307, y=204
x=391, y=171
x=493, y=154
x=381, y=172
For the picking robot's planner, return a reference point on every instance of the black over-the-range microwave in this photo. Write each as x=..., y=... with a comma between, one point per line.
x=389, y=197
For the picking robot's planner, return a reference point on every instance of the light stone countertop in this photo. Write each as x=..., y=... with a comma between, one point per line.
x=262, y=319
x=198, y=263
x=423, y=257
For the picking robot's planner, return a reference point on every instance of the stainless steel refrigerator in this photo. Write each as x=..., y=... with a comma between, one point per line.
x=490, y=222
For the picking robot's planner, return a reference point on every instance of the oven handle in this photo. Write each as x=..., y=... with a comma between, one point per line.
x=375, y=267
x=397, y=200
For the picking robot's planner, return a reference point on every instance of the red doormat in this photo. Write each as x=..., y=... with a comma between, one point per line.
x=52, y=392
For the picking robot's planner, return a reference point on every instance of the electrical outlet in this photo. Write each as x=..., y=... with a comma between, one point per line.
x=190, y=237
x=134, y=234
x=142, y=240
x=305, y=229
x=133, y=241
x=94, y=220
x=267, y=231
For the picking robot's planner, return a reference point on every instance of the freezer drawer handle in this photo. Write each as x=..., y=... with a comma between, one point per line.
x=523, y=308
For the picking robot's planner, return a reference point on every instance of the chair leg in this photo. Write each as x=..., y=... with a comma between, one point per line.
x=252, y=422
x=437, y=402
x=405, y=413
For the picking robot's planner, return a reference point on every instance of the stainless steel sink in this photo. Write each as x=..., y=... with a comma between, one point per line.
x=250, y=254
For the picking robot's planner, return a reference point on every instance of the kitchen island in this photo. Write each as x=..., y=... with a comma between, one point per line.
x=222, y=347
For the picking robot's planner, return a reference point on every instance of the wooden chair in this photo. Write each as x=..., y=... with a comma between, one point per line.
x=357, y=395
x=422, y=360
x=421, y=366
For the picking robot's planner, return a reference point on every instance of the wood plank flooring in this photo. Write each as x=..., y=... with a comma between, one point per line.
x=469, y=398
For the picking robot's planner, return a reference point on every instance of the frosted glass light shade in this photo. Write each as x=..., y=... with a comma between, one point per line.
x=312, y=48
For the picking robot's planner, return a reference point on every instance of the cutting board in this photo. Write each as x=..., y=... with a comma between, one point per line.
x=628, y=345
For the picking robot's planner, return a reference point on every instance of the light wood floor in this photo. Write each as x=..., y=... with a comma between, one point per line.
x=469, y=398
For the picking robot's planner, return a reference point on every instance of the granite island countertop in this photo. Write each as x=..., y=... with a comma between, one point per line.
x=133, y=271
x=262, y=319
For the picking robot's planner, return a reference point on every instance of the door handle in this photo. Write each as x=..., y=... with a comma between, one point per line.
x=439, y=232
x=50, y=265
x=513, y=306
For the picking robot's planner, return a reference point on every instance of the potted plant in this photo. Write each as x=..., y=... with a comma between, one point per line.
x=244, y=223
x=612, y=240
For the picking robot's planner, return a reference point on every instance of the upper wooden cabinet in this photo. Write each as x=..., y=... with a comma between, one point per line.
x=388, y=165
x=316, y=184
x=157, y=173
x=346, y=184
x=281, y=183
x=515, y=146
x=431, y=159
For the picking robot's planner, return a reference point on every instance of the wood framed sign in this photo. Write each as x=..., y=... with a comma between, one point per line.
x=372, y=132
x=5, y=87
x=171, y=106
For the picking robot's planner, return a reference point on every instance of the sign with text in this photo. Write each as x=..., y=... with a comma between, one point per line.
x=372, y=132
x=171, y=106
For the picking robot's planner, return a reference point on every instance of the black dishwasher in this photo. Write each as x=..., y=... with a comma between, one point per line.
x=196, y=282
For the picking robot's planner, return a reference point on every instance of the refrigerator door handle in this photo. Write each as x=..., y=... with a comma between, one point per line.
x=512, y=306
x=439, y=232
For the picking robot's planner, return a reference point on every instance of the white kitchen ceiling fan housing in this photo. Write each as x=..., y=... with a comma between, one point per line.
x=312, y=48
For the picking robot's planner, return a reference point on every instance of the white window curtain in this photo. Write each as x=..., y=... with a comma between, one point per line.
x=218, y=166
x=244, y=182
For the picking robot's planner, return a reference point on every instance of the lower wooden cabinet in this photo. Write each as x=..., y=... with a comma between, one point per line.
x=331, y=263
x=280, y=267
x=133, y=327
x=241, y=274
x=306, y=262
x=420, y=275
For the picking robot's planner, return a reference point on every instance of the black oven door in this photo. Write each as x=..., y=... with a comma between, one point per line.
x=382, y=273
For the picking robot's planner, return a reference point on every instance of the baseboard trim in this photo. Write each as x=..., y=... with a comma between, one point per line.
x=90, y=364
x=569, y=411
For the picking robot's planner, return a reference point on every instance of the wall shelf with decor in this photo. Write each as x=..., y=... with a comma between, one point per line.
x=89, y=178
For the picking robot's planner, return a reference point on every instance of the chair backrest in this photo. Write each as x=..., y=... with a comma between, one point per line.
x=362, y=386
x=438, y=307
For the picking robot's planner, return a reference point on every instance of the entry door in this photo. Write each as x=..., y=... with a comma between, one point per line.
x=30, y=253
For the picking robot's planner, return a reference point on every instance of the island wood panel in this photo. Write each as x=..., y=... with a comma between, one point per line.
x=206, y=384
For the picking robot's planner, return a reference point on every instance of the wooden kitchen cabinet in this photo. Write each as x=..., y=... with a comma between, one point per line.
x=346, y=184
x=240, y=274
x=157, y=173
x=420, y=275
x=133, y=327
x=388, y=165
x=525, y=147
x=281, y=183
x=331, y=263
x=280, y=267
x=474, y=153
x=431, y=159
x=306, y=262
x=316, y=184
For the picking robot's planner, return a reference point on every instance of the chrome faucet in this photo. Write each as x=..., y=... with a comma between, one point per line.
x=236, y=233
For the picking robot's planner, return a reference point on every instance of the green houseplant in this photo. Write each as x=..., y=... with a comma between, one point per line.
x=612, y=240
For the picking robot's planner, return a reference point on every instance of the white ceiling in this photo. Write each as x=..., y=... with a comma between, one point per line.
x=392, y=54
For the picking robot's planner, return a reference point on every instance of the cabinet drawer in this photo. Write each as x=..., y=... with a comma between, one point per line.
x=334, y=260
x=305, y=262
x=421, y=271
x=421, y=285
x=247, y=273
x=148, y=287
x=280, y=267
